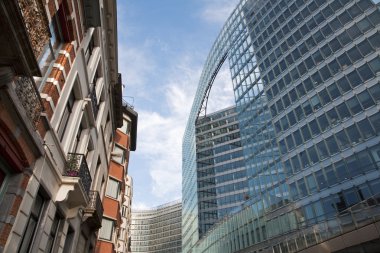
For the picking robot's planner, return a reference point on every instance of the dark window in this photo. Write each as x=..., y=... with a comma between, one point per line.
x=322, y=150
x=353, y=134
x=365, y=99
x=375, y=65
x=375, y=40
x=334, y=91
x=364, y=25
x=297, y=137
x=326, y=50
x=332, y=116
x=342, y=140
x=325, y=97
x=366, y=128
x=343, y=85
x=343, y=111
x=306, y=133
x=314, y=127
x=365, y=48
x=354, y=32
x=354, y=105
x=354, y=78
x=375, y=120
x=332, y=145
x=323, y=122
x=354, y=54
x=375, y=91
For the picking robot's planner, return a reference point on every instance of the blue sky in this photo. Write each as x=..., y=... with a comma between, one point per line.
x=163, y=45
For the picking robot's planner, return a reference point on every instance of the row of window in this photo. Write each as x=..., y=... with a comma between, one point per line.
x=351, y=80
x=333, y=144
x=219, y=140
x=216, y=132
x=355, y=165
x=331, y=118
x=329, y=29
x=337, y=114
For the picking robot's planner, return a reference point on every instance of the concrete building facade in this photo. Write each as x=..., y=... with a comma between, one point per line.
x=157, y=230
x=60, y=105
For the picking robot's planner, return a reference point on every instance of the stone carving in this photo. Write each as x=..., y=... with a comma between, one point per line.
x=30, y=100
x=36, y=24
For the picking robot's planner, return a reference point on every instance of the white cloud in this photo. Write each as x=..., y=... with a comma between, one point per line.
x=217, y=11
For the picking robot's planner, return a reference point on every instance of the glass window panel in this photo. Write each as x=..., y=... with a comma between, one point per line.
x=306, y=133
x=343, y=111
x=297, y=137
x=293, y=95
x=353, y=134
x=365, y=4
x=292, y=118
x=296, y=164
x=314, y=127
x=365, y=48
x=344, y=17
x=365, y=99
x=375, y=91
x=332, y=145
x=284, y=123
x=375, y=121
x=354, y=54
x=286, y=100
x=313, y=154
x=364, y=25
x=106, y=230
x=324, y=96
x=365, y=72
x=308, y=84
x=323, y=122
x=354, y=11
x=329, y=207
x=354, y=32
x=341, y=172
x=322, y=150
x=301, y=90
x=344, y=61
x=343, y=85
x=321, y=180
x=307, y=108
x=294, y=191
x=315, y=103
x=344, y=39
x=353, y=166
x=334, y=67
x=312, y=185
x=330, y=175
x=351, y=197
x=354, y=105
x=317, y=79
x=366, y=128
x=334, y=91
x=317, y=56
x=335, y=24
x=354, y=78
x=326, y=50
x=113, y=188
x=335, y=45
x=342, y=140
x=326, y=30
x=299, y=113
x=332, y=117
x=364, y=192
x=325, y=73
x=375, y=40
x=365, y=161
x=304, y=159
x=302, y=187
x=374, y=17
x=289, y=142
x=375, y=65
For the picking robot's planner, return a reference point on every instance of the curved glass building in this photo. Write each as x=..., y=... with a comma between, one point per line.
x=157, y=230
x=305, y=76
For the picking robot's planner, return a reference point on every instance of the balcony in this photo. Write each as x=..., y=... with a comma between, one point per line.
x=93, y=213
x=76, y=182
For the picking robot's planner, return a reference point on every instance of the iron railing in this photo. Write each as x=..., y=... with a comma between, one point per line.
x=95, y=207
x=30, y=99
x=76, y=166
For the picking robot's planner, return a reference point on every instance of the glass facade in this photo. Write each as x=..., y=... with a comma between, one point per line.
x=306, y=82
x=222, y=178
x=157, y=230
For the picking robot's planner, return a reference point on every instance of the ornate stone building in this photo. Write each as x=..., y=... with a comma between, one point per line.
x=60, y=105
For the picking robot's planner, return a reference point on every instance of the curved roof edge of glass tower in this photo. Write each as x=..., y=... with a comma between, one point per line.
x=306, y=79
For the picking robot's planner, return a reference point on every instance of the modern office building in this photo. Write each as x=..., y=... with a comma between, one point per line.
x=222, y=180
x=157, y=230
x=60, y=105
x=114, y=233
x=305, y=76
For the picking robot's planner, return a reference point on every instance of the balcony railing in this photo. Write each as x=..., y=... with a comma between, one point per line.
x=94, y=101
x=29, y=97
x=94, y=210
x=76, y=166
